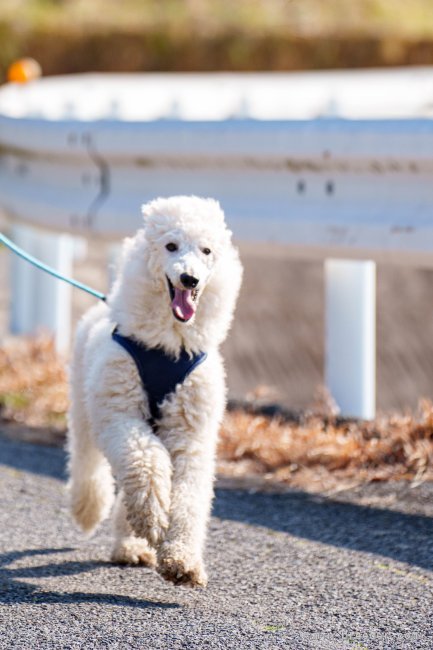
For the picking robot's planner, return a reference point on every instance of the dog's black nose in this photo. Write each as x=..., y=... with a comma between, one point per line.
x=188, y=281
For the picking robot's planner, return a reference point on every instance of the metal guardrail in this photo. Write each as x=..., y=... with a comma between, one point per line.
x=332, y=188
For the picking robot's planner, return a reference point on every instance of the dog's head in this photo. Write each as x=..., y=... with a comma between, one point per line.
x=180, y=274
x=187, y=238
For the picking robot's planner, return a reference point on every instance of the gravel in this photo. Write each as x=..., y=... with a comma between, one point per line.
x=291, y=570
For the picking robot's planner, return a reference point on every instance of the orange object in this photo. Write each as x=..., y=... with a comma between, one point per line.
x=24, y=70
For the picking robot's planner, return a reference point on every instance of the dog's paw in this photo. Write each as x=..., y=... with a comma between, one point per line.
x=134, y=551
x=148, y=519
x=181, y=571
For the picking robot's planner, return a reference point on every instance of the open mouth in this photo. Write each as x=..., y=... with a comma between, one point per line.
x=183, y=302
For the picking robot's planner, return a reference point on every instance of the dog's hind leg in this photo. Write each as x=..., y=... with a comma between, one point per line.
x=128, y=548
x=91, y=485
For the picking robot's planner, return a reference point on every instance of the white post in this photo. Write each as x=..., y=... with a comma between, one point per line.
x=22, y=282
x=39, y=301
x=350, y=346
x=54, y=297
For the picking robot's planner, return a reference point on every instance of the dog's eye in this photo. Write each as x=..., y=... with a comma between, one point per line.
x=206, y=251
x=171, y=246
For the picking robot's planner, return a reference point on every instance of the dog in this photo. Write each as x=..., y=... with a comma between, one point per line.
x=147, y=388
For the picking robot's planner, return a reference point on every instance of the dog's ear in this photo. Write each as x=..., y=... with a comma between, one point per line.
x=147, y=210
x=214, y=209
x=216, y=213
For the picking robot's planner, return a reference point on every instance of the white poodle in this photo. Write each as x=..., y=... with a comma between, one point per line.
x=148, y=388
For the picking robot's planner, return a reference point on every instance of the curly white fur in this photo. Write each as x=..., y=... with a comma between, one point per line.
x=165, y=479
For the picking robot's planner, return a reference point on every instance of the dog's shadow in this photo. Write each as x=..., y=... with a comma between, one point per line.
x=397, y=535
x=13, y=590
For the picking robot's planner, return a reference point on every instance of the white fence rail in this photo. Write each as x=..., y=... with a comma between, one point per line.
x=332, y=188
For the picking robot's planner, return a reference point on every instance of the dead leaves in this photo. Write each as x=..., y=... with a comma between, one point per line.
x=318, y=452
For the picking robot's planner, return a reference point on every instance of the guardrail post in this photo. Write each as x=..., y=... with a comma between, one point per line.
x=350, y=346
x=22, y=283
x=39, y=301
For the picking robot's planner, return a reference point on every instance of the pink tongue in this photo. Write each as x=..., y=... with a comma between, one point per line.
x=182, y=304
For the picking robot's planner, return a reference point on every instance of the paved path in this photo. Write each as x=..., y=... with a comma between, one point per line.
x=286, y=571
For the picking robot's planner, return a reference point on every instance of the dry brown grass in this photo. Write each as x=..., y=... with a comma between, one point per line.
x=324, y=453
x=33, y=387
x=318, y=452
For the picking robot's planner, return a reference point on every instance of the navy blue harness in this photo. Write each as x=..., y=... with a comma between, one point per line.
x=159, y=373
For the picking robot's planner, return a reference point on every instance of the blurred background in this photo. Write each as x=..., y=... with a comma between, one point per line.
x=277, y=338
x=158, y=35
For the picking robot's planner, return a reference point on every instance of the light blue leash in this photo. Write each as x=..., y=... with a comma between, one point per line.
x=40, y=265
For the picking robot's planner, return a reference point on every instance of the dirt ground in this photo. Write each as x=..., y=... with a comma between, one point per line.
x=277, y=336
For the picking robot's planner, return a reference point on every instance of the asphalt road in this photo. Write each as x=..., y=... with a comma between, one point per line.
x=286, y=571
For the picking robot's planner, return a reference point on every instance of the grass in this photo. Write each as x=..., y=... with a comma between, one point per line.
x=69, y=36
x=273, y=628
x=322, y=452
x=317, y=452
x=32, y=383
x=300, y=17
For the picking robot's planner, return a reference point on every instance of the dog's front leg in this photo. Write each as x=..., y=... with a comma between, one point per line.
x=128, y=548
x=180, y=557
x=140, y=462
x=142, y=467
